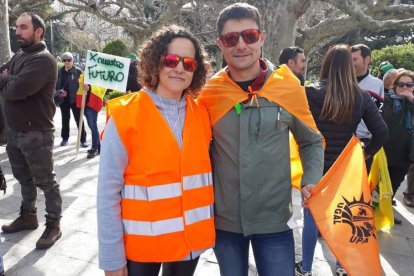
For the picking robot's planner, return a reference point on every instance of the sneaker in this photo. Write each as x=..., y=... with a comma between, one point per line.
x=299, y=272
x=83, y=145
x=25, y=221
x=92, y=153
x=51, y=234
x=408, y=199
x=340, y=271
x=397, y=221
x=64, y=142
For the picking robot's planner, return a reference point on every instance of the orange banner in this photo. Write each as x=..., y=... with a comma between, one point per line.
x=341, y=207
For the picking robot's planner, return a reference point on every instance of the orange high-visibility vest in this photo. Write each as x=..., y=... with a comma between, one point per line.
x=167, y=199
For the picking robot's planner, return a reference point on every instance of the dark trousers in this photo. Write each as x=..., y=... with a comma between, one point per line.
x=92, y=118
x=410, y=180
x=65, y=109
x=31, y=159
x=183, y=268
x=397, y=174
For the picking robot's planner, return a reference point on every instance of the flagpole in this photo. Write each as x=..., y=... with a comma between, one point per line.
x=82, y=112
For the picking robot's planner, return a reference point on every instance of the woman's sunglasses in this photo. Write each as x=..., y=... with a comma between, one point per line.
x=66, y=60
x=232, y=39
x=402, y=84
x=171, y=61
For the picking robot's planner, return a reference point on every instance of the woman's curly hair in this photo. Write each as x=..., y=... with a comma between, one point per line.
x=156, y=46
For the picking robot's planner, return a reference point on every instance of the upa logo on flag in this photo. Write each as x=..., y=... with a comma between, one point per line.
x=359, y=215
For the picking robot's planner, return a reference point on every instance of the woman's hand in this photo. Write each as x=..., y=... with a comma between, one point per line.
x=306, y=193
x=123, y=271
x=408, y=95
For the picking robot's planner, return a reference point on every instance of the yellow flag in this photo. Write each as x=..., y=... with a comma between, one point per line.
x=296, y=170
x=380, y=184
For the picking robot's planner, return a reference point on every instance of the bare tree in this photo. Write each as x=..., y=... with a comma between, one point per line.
x=281, y=18
x=310, y=24
x=5, y=51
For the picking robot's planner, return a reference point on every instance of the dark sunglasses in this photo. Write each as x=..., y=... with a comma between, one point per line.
x=68, y=60
x=402, y=84
x=232, y=39
x=171, y=61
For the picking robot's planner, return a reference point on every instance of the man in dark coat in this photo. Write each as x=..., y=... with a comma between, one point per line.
x=27, y=83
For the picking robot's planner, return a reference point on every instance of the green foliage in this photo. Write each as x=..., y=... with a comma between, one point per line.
x=400, y=56
x=115, y=94
x=116, y=47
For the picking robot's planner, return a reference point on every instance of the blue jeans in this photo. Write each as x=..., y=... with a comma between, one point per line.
x=92, y=119
x=309, y=239
x=274, y=253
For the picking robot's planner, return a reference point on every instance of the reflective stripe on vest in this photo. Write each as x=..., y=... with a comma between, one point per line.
x=197, y=181
x=197, y=214
x=151, y=193
x=166, y=190
x=147, y=228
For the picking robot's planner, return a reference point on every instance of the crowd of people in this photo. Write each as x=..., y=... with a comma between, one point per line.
x=188, y=162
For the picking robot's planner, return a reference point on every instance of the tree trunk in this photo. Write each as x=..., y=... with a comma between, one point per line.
x=4, y=32
x=280, y=18
x=4, y=56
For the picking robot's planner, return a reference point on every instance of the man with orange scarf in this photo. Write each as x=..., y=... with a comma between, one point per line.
x=252, y=108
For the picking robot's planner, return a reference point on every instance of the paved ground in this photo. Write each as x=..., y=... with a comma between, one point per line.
x=76, y=252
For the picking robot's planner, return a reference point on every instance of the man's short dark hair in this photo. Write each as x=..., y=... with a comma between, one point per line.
x=289, y=53
x=238, y=11
x=37, y=22
x=365, y=50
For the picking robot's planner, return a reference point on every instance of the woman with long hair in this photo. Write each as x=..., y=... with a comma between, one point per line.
x=338, y=105
x=155, y=191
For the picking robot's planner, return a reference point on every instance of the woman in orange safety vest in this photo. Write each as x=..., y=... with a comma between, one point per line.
x=155, y=192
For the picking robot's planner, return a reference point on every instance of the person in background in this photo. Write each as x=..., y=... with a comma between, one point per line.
x=294, y=58
x=27, y=83
x=384, y=67
x=3, y=187
x=338, y=105
x=68, y=80
x=93, y=104
x=388, y=79
x=155, y=193
x=132, y=83
x=361, y=57
x=253, y=106
x=398, y=111
x=408, y=195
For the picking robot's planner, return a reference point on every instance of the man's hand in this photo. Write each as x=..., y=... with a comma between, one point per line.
x=5, y=72
x=123, y=271
x=306, y=193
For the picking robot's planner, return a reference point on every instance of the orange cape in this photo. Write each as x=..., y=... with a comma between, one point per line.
x=221, y=93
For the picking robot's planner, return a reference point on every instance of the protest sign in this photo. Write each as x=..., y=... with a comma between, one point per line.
x=106, y=70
